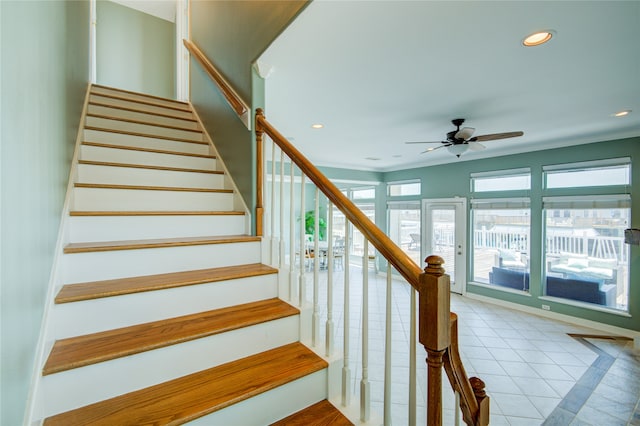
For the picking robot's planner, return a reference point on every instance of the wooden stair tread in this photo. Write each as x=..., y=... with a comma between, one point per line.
x=150, y=188
x=150, y=167
x=145, y=135
x=137, y=148
x=190, y=397
x=157, y=213
x=322, y=413
x=141, y=111
x=115, y=89
x=155, y=243
x=121, y=286
x=146, y=123
x=90, y=349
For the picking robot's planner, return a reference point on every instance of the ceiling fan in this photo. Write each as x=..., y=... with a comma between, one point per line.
x=459, y=140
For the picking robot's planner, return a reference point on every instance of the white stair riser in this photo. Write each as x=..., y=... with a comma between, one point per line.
x=141, y=116
x=121, y=139
x=272, y=405
x=115, y=155
x=139, y=308
x=78, y=387
x=117, y=228
x=137, y=97
x=90, y=173
x=139, y=106
x=95, y=266
x=149, y=129
x=90, y=199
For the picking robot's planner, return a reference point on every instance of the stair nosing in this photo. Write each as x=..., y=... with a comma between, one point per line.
x=150, y=188
x=160, y=98
x=137, y=101
x=146, y=123
x=156, y=151
x=141, y=111
x=150, y=167
x=143, y=135
x=102, y=246
x=78, y=292
x=163, y=333
x=287, y=363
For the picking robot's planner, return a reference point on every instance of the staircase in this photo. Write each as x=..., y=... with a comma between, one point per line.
x=165, y=313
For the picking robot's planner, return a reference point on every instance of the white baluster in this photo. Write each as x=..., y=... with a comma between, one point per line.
x=272, y=209
x=281, y=233
x=412, y=360
x=329, y=326
x=315, y=321
x=387, y=353
x=292, y=236
x=365, y=397
x=303, y=245
x=346, y=370
x=457, y=408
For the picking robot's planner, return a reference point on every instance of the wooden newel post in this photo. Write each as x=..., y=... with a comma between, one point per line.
x=435, y=332
x=259, y=173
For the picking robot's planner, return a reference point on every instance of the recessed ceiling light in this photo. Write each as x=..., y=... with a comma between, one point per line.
x=622, y=113
x=538, y=38
x=317, y=126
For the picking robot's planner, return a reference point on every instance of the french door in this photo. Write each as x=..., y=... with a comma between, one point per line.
x=445, y=230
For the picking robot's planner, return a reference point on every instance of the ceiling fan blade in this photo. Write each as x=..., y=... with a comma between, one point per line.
x=433, y=149
x=476, y=146
x=495, y=136
x=425, y=142
x=465, y=133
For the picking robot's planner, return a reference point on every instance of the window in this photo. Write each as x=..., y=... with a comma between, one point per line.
x=363, y=193
x=503, y=180
x=589, y=174
x=586, y=259
x=357, y=238
x=398, y=189
x=404, y=227
x=501, y=230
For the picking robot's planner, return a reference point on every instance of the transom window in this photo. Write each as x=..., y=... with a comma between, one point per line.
x=591, y=173
x=502, y=180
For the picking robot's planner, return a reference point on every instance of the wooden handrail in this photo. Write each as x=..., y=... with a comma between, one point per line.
x=238, y=105
x=473, y=401
x=385, y=246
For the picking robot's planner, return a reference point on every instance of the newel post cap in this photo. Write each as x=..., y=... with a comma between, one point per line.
x=434, y=265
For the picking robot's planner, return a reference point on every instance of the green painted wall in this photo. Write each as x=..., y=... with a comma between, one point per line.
x=134, y=51
x=45, y=72
x=233, y=34
x=453, y=180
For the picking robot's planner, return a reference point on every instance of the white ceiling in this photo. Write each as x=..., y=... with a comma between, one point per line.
x=380, y=73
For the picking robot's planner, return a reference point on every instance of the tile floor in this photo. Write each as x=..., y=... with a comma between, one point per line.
x=535, y=372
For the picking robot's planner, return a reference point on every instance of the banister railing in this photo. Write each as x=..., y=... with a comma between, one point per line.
x=437, y=325
x=234, y=100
